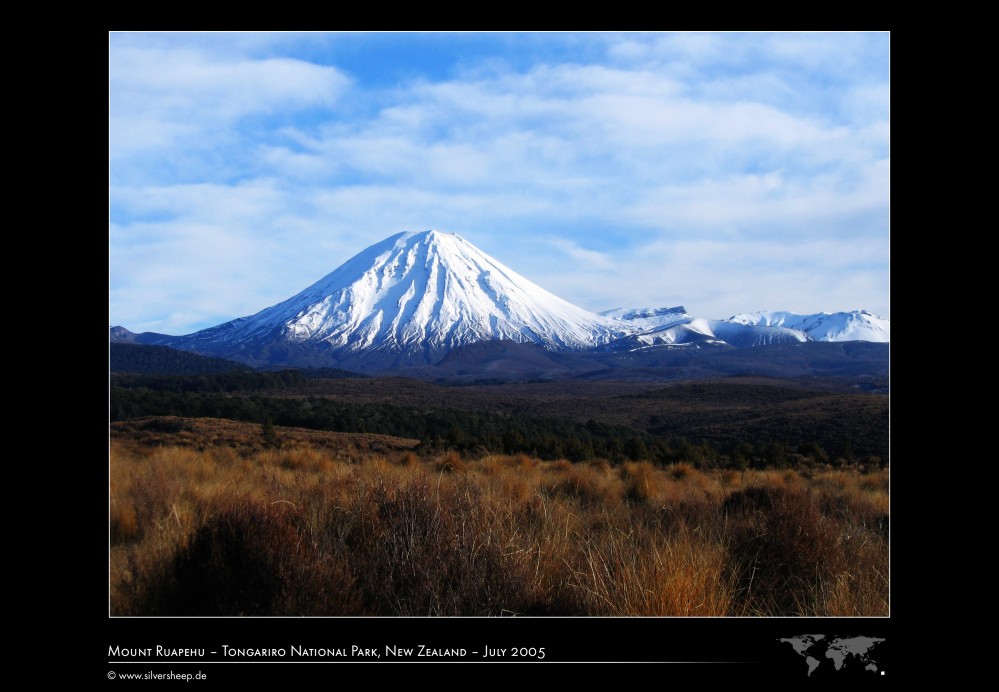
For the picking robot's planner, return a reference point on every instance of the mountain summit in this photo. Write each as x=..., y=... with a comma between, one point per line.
x=408, y=299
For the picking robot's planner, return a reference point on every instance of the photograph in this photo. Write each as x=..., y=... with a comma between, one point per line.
x=498, y=347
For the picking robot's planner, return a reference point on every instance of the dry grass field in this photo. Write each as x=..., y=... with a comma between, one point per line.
x=215, y=517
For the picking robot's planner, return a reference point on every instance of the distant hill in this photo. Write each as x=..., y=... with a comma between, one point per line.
x=162, y=360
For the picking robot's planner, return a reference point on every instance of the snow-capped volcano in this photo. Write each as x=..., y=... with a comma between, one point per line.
x=414, y=298
x=858, y=325
x=416, y=294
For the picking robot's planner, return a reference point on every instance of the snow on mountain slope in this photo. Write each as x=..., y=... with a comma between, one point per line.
x=697, y=331
x=419, y=292
x=858, y=325
x=744, y=336
x=649, y=318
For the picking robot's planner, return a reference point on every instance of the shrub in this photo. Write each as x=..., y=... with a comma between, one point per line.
x=680, y=471
x=451, y=463
x=124, y=526
x=429, y=555
x=641, y=482
x=782, y=548
x=247, y=561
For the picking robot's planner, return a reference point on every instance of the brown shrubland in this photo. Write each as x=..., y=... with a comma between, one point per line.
x=362, y=527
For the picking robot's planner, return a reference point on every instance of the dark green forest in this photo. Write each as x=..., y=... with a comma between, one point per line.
x=770, y=443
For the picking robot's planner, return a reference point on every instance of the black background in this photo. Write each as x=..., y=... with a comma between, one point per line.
x=743, y=649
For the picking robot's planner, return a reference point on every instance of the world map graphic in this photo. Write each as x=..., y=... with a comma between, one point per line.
x=819, y=649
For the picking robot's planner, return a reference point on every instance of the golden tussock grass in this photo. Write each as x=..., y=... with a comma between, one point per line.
x=312, y=530
x=450, y=462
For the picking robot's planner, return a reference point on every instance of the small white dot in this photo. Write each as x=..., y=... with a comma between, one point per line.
x=882, y=672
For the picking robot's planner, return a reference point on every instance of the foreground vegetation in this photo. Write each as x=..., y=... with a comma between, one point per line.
x=225, y=518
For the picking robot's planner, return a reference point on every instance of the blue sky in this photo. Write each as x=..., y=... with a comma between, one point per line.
x=727, y=172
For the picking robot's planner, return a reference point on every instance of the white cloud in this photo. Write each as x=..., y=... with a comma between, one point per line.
x=617, y=169
x=185, y=82
x=769, y=203
x=580, y=255
x=163, y=98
